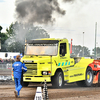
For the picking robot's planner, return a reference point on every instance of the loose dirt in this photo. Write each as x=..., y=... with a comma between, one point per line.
x=68, y=92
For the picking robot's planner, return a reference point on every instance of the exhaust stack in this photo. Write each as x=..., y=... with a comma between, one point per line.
x=71, y=46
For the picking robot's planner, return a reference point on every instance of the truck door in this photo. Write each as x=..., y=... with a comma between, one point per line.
x=63, y=60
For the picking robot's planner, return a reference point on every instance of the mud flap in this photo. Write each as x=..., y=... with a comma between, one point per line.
x=99, y=78
x=96, y=78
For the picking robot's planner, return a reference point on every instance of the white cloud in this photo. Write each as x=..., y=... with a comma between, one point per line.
x=80, y=17
x=6, y=13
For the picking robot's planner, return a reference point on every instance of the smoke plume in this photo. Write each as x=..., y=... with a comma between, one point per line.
x=38, y=11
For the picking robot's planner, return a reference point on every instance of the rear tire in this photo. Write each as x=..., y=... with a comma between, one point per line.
x=57, y=80
x=89, y=78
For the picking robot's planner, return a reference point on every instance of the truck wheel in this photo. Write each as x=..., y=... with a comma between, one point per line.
x=89, y=78
x=58, y=80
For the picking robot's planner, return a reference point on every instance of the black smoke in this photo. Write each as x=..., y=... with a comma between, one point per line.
x=38, y=11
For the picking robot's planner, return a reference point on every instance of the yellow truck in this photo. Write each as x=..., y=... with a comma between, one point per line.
x=49, y=59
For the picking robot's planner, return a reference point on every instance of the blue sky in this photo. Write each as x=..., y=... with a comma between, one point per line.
x=2, y=0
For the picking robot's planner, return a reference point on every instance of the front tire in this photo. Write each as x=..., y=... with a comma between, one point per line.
x=58, y=80
x=88, y=80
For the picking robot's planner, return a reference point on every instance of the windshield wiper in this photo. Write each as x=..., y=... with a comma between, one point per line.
x=44, y=55
x=31, y=55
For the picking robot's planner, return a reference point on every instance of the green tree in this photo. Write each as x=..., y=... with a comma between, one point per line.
x=97, y=51
x=3, y=37
x=18, y=33
x=0, y=28
x=10, y=31
x=77, y=50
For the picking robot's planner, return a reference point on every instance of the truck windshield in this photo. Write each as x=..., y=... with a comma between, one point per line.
x=41, y=49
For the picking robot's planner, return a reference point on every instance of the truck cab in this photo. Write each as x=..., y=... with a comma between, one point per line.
x=49, y=59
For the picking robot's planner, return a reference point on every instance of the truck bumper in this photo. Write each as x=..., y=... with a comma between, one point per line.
x=36, y=79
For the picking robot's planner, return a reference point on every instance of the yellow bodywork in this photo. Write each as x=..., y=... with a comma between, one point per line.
x=72, y=71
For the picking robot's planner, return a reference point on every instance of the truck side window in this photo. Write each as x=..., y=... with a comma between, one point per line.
x=63, y=49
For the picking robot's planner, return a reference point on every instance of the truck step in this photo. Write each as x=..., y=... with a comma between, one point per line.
x=65, y=70
x=66, y=80
x=66, y=75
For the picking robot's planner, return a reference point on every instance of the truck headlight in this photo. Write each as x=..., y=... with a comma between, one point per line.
x=46, y=72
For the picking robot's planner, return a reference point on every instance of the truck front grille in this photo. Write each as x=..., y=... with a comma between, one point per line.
x=31, y=68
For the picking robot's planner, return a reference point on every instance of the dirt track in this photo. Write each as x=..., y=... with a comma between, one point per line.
x=5, y=71
x=69, y=92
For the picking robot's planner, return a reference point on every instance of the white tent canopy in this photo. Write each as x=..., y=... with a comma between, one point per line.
x=10, y=55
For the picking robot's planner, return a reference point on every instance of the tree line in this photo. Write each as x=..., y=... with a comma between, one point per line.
x=13, y=39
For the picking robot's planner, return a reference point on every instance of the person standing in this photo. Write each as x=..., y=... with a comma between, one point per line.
x=18, y=67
